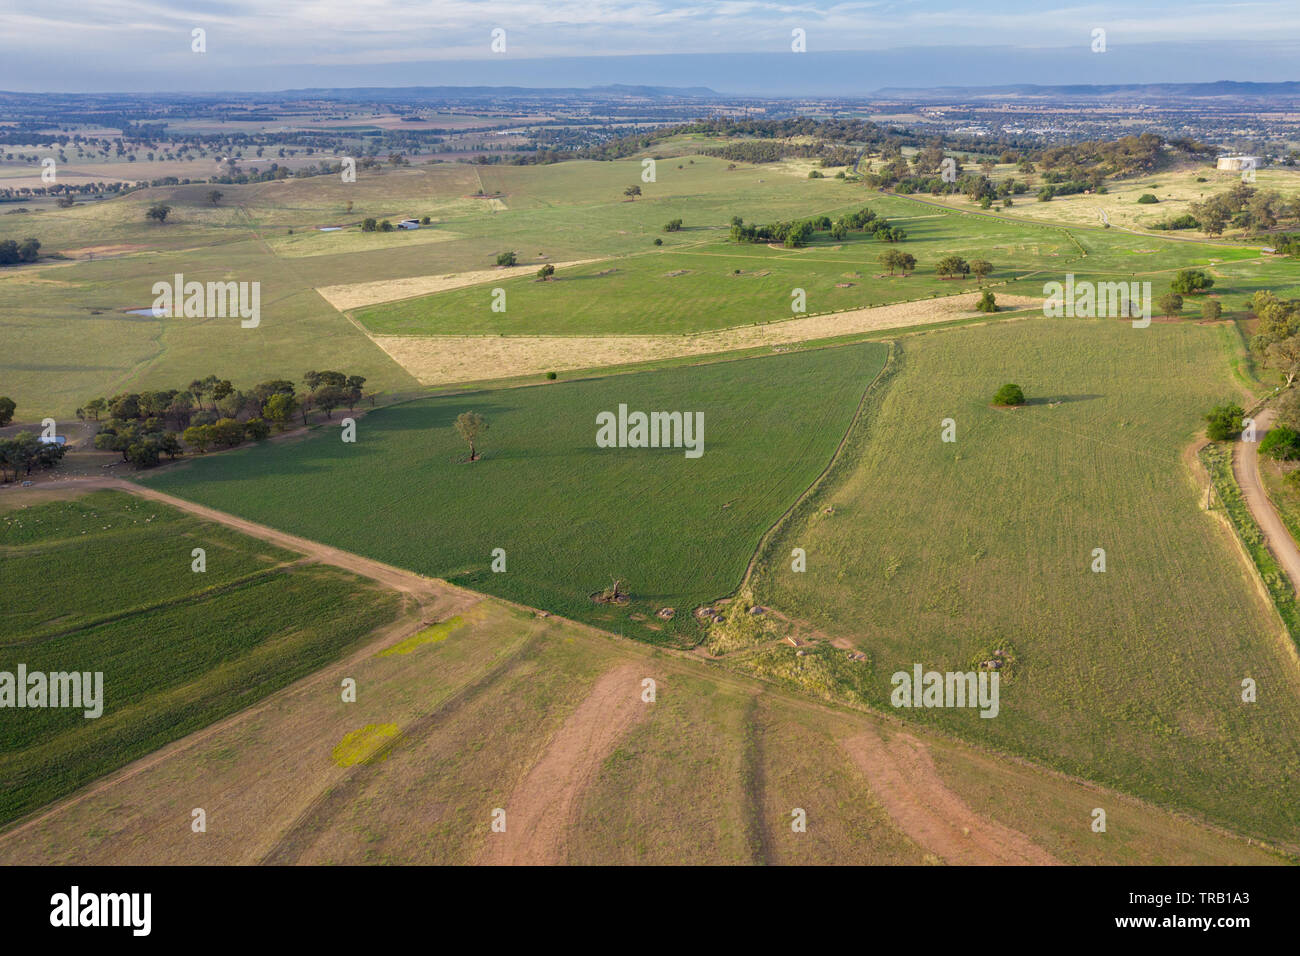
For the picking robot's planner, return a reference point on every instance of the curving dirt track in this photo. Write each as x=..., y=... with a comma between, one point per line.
x=1245, y=466
x=541, y=809
x=904, y=779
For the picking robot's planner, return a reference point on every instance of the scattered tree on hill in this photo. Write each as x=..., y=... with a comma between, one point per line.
x=952, y=265
x=369, y=225
x=1191, y=281
x=1211, y=310
x=227, y=432
x=11, y=252
x=197, y=436
x=469, y=425
x=214, y=196
x=158, y=212
x=632, y=191
x=906, y=262
x=1009, y=394
x=889, y=260
x=1171, y=304
x=1224, y=422
x=1281, y=443
x=507, y=259
x=1284, y=355
x=7, y=407
x=673, y=225
x=981, y=268
x=1277, y=319
x=279, y=409
x=257, y=429
x=26, y=451
x=545, y=272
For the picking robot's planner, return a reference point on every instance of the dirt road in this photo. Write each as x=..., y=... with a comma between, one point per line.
x=1245, y=466
x=907, y=784
x=427, y=591
x=541, y=808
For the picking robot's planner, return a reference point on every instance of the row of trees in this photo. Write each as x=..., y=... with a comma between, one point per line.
x=1244, y=207
x=144, y=426
x=25, y=451
x=797, y=233
x=13, y=252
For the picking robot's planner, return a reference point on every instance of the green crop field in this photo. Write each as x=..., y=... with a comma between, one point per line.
x=103, y=583
x=942, y=553
x=712, y=283
x=570, y=516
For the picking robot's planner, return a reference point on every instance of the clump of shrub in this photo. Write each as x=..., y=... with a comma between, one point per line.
x=1009, y=394
x=987, y=303
x=1146, y=199
x=1223, y=422
x=1281, y=443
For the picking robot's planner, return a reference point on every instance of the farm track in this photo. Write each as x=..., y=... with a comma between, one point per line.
x=1245, y=467
x=544, y=803
x=904, y=779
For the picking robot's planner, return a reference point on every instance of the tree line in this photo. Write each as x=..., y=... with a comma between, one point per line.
x=212, y=412
x=794, y=234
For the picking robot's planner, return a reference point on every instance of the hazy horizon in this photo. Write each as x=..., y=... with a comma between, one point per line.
x=736, y=47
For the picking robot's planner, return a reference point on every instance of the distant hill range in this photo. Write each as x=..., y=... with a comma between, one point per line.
x=398, y=94
x=1220, y=90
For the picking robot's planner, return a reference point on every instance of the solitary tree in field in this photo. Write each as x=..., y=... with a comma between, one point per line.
x=889, y=260
x=1009, y=395
x=214, y=197
x=980, y=268
x=469, y=425
x=987, y=302
x=1211, y=310
x=545, y=272
x=158, y=212
x=1171, y=304
x=632, y=191
x=906, y=262
x=507, y=259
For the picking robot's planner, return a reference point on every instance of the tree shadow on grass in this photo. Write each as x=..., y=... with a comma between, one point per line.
x=1060, y=399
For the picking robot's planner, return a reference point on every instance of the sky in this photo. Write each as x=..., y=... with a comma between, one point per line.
x=733, y=46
